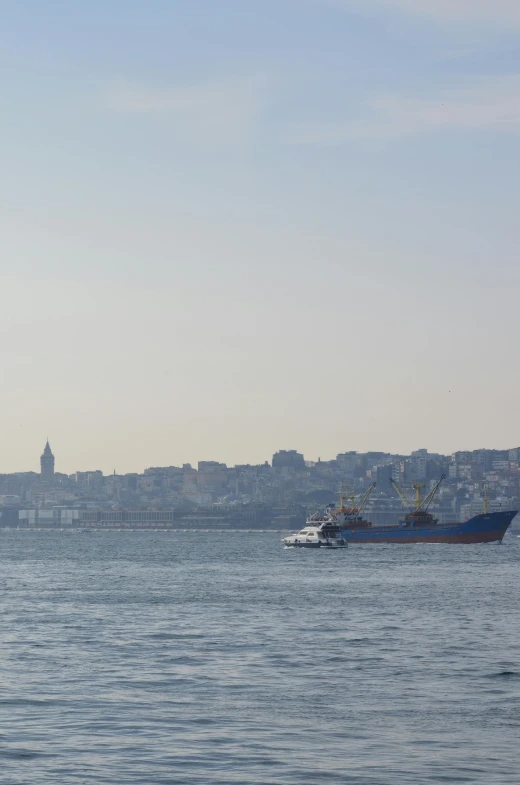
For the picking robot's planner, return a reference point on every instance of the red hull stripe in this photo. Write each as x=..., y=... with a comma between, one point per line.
x=466, y=539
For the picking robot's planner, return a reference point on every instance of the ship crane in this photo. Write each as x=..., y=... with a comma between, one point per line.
x=425, y=503
x=420, y=505
x=365, y=498
x=356, y=508
x=403, y=495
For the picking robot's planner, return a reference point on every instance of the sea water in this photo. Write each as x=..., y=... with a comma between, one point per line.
x=170, y=657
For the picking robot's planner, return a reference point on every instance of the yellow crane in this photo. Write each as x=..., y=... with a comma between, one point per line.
x=356, y=507
x=420, y=505
x=486, y=501
x=365, y=498
x=403, y=495
x=418, y=486
x=425, y=503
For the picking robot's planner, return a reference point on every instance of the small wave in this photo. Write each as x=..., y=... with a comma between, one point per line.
x=29, y=701
x=175, y=636
x=18, y=754
x=505, y=675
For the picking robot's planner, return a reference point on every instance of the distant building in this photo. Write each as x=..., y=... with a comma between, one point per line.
x=288, y=459
x=189, y=481
x=349, y=462
x=9, y=500
x=418, y=464
x=93, y=479
x=383, y=475
x=212, y=477
x=47, y=464
x=462, y=456
x=375, y=458
x=514, y=454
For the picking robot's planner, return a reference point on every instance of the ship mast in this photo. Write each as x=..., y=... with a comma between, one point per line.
x=418, y=486
x=346, y=494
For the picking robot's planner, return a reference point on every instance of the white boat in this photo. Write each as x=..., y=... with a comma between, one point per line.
x=316, y=535
x=327, y=529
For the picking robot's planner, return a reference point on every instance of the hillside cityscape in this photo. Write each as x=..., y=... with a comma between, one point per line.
x=277, y=494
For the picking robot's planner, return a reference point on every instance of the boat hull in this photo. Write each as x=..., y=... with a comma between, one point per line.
x=326, y=545
x=489, y=527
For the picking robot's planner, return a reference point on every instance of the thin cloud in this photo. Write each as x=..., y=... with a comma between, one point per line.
x=202, y=113
x=492, y=105
x=500, y=11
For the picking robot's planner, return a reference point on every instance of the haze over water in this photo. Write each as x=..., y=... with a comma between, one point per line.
x=201, y=658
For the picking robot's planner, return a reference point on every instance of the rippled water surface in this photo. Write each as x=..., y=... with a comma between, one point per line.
x=133, y=657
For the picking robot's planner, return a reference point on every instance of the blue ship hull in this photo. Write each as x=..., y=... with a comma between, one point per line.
x=489, y=527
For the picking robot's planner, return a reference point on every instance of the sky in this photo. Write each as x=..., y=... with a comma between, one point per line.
x=234, y=227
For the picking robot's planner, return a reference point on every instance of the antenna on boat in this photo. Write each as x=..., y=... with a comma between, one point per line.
x=346, y=494
x=486, y=499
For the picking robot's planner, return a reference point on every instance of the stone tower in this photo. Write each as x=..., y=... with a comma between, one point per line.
x=47, y=464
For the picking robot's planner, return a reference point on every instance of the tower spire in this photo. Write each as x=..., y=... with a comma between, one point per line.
x=47, y=463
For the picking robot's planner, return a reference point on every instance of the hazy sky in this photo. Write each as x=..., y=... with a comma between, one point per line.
x=234, y=226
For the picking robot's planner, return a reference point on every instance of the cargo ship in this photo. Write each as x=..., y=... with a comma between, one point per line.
x=416, y=526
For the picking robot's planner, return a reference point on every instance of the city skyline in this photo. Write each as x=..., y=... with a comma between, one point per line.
x=48, y=456
x=279, y=490
x=231, y=226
